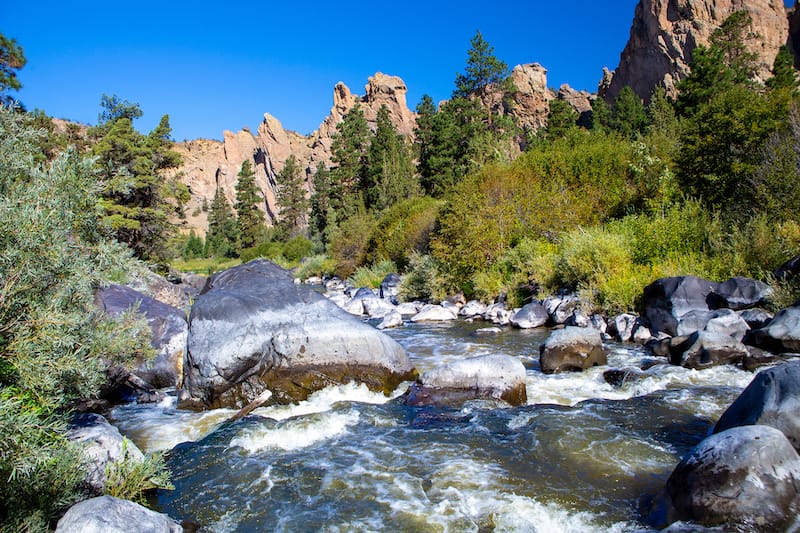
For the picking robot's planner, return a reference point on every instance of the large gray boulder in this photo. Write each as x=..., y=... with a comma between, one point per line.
x=723, y=321
x=572, y=348
x=472, y=308
x=704, y=349
x=497, y=376
x=739, y=293
x=390, y=287
x=746, y=476
x=252, y=329
x=101, y=445
x=167, y=324
x=789, y=270
x=434, y=313
x=532, y=315
x=107, y=514
x=782, y=334
x=771, y=399
x=667, y=300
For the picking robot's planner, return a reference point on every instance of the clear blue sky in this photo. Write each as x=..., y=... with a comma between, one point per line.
x=220, y=65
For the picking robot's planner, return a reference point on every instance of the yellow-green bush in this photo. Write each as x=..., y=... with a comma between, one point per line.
x=372, y=276
x=348, y=244
x=402, y=229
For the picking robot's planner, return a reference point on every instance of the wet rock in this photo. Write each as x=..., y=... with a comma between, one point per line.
x=107, y=514
x=623, y=326
x=377, y=307
x=532, y=315
x=757, y=358
x=756, y=318
x=472, y=308
x=499, y=377
x=617, y=377
x=561, y=308
x=433, y=313
x=102, y=445
x=409, y=308
x=747, y=476
x=704, y=349
x=572, y=348
x=782, y=334
x=771, y=399
x=789, y=270
x=666, y=300
x=641, y=333
x=393, y=319
x=252, y=330
x=167, y=324
x=739, y=293
x=488, y=331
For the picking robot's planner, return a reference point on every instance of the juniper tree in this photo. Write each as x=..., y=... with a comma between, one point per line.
x=291, y=198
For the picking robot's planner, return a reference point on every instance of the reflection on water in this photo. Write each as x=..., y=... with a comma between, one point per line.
x=582, y=456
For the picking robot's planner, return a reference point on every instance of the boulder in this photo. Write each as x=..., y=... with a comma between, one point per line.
x=641, y=333
x=377, y=307
x=392, y=319
x=739, y=293
x=756, y=318
x=704, y=349
x=107, y=514
x=434, y=313
x=472, y=308
x=102, y=444
x=408, y=308
x=167, y=324
x=532, y=315
x=499, y=377
x=747, y=476
x=390, y=287
x=720, y=321
x=757, y=358
x=599, y=323
x=666, y=300
x=789, y=270
x=782, y=334
x=771, y=399
x=560, y=308
x=355, y=306
x=623, y=326
x=572, y=348
x=617, y=377
x=452, y=307
x=579, y=319
x=253, y=330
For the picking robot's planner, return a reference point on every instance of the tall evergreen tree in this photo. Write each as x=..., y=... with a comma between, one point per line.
x=784, y=75
x=12, y=58
x=390, y=171
x=249, y=218
x=291, y=198
x=561, y=119
x=320, y=201
x=349, y=154
x=628, y=115
x=485, y=76
x=137, y=198
x=222, y=238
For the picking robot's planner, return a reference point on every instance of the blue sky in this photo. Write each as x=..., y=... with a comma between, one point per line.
x=214, y=66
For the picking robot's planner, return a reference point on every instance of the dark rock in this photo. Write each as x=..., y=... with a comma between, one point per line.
x=782, y=334
x=771, y=399
x=747, y=476
x=532, y=315
x=390, y=287
x=253, y=329
x=719, y=321
x=739, y=293
x=169, y=328
x=102, y=445
x=789, y=270
x=572, y=348
x=756, y=318
x=107, y=514
x=499, y=377
x=666, y=300
x=617, y=377
x=704, y=349
x=472, y=308
x=561, y=308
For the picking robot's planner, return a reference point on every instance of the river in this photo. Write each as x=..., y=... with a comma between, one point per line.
x=582, y=456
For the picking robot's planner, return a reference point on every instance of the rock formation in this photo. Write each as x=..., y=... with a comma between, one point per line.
x=664, y=34
x=208, y=164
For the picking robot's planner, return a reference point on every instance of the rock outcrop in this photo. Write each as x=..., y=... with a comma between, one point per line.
x=252, y=329
x=107, y=514
x=665, y=33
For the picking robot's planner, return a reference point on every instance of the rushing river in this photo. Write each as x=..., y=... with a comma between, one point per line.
x=582, y=456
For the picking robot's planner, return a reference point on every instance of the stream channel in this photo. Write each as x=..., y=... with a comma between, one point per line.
x=583, y=455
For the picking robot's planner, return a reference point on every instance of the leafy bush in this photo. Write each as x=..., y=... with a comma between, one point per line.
x=403, y=228
x=297, y=248
x=372, y=276
x=422, y=280
x=130, y=478
x=348, y=244
x=315, y=265
x=266, y=249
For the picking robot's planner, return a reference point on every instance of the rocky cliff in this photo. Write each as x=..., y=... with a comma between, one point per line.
x=665, y=32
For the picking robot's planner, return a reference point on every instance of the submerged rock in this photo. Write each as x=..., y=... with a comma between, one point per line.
x=572, y=348
x=771, y=399
x=253, y=329
x=703, y=349
x=499, y=377
x=748, y=476
x=107, y=514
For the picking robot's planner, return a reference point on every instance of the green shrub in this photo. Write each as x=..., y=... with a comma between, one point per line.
x=348, y=243
x=403, y=228
x=316, y=265
x=130, y=478
x=422, y=280
x=589, y=254
x=372, y=276
x=266, y=250
x=297, y=248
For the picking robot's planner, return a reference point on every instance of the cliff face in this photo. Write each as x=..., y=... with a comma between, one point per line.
x=209, y=164
x=665, y=32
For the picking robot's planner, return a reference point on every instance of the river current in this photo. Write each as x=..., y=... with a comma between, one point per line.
x=582, y=456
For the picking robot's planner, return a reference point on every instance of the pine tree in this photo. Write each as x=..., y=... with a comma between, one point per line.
x=321, y=208
x=222, y=238
x=12, y=58
x=784, y=75
x=250, y=219
x=390, y=172
x=349, y=154
x=628, y=115
x=291, y=198
x=561, y=119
